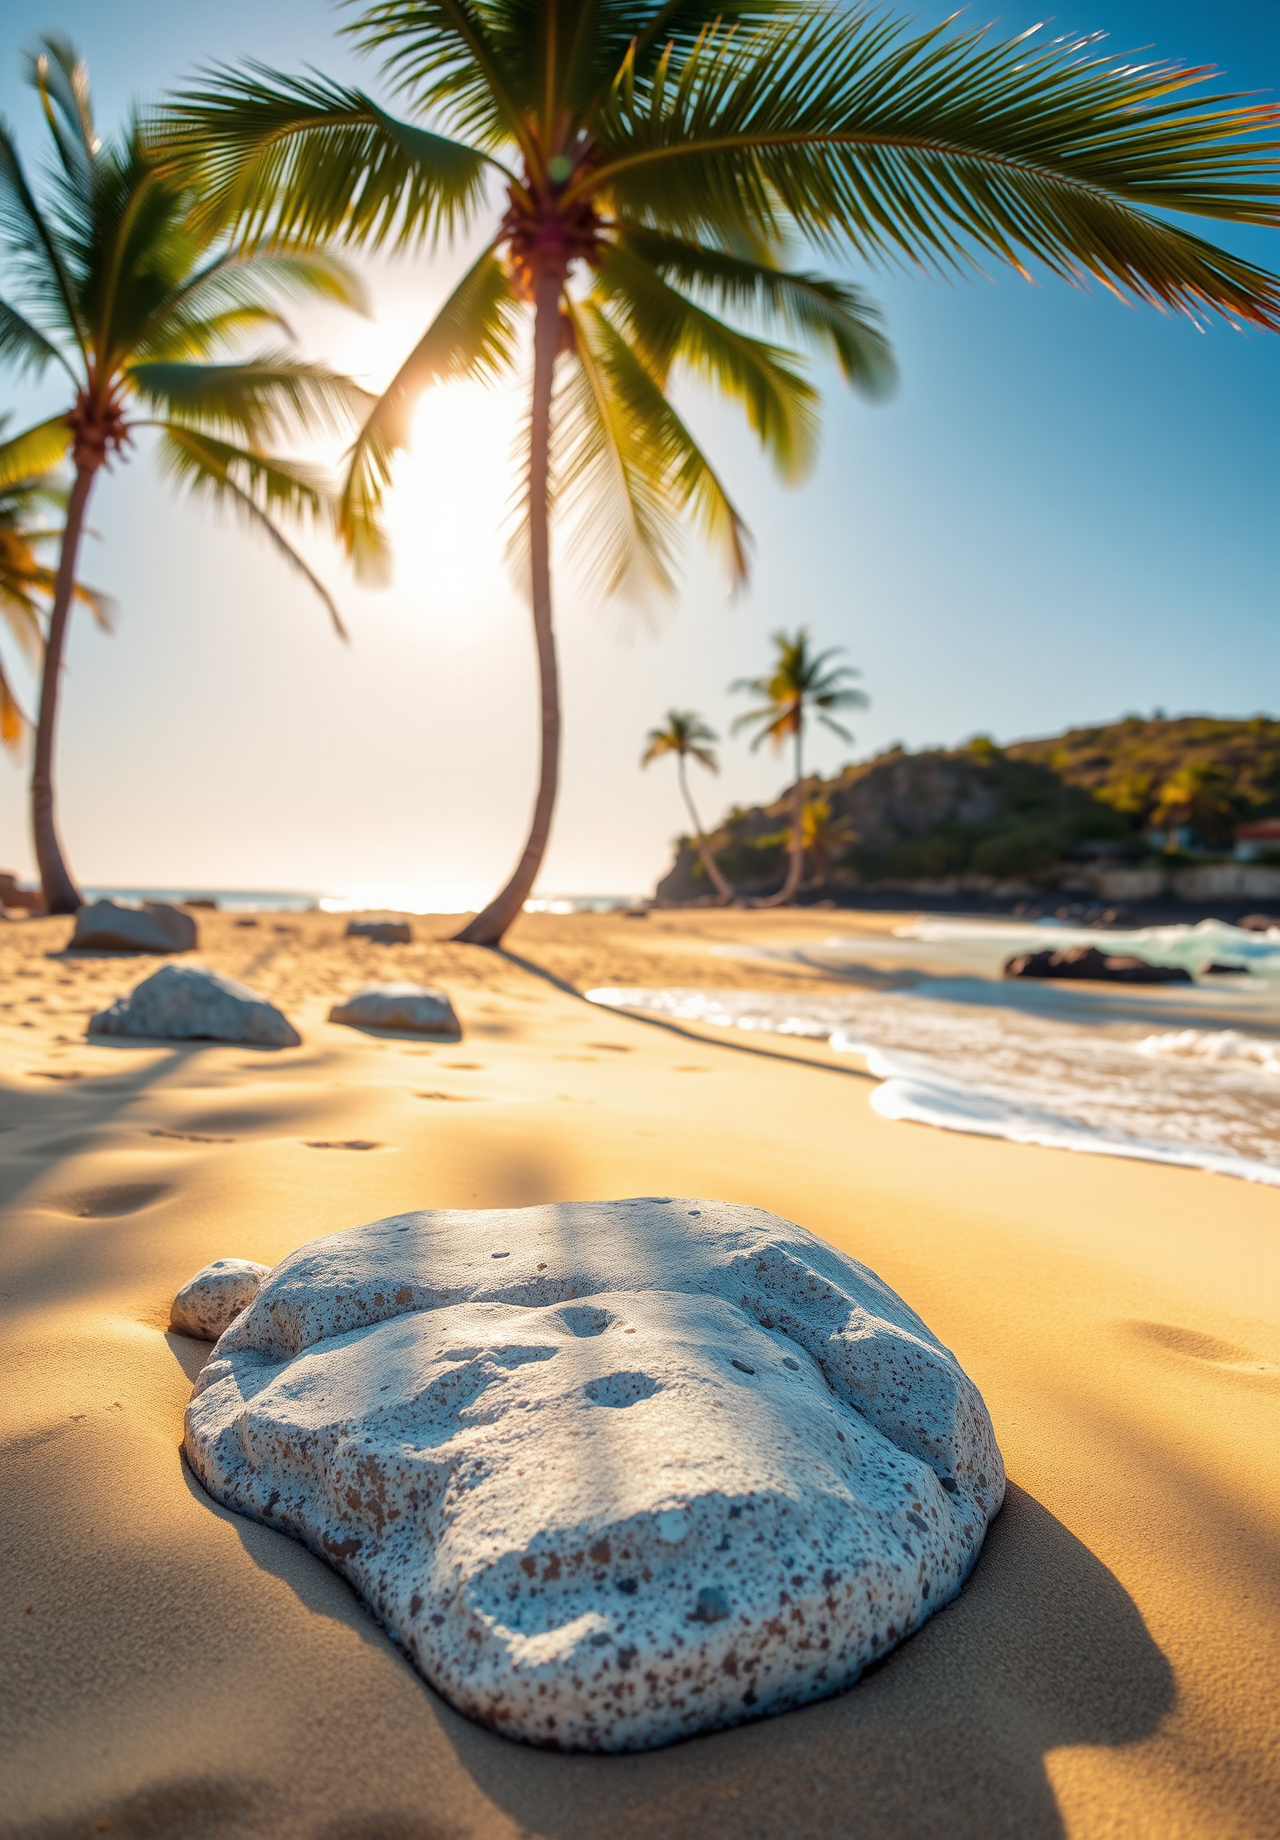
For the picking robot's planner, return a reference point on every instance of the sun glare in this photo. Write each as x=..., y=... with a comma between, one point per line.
x=449, y=505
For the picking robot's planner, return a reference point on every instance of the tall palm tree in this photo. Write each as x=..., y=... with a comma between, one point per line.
x=119, y=287
x=27, y=582
x=825, y=836
x=799, y=682
x=658, y=158
x=688, y=737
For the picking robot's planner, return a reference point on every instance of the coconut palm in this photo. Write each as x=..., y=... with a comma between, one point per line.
x=29, y=514
x=800, y=681
x=825, y=836
x=656, y=160
x=118, y=286
x=688, y=737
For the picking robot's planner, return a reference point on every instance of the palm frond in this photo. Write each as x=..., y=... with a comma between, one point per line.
x=246, y=280
x=33, y=452
x=267, y=396
x=305, y=160
x=32, y=243
x=24, y=346
x=945, y=146
x=474, y=335
x=260, y=488
x=56, y=71
x=833, y=317
x=669, y=328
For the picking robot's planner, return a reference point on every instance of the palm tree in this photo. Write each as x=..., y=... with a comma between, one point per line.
x=824, y=836
x=1198, y=794
x=688, y=737
x=27, y=583
x=127, y=294
x=800, y=681
x=658, y=157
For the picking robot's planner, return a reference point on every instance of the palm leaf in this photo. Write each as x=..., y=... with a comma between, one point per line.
x=260, y=488
x=37, y=450
x=267, y=395
x=23, y=345
x=936, y=149
x=308, y=161
x=669, y=328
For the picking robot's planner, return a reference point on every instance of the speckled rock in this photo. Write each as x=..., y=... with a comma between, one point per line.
x=155, y=926
x=612, y=1473
x=188, y=1003
x=415, y=1007
x=209, y=1303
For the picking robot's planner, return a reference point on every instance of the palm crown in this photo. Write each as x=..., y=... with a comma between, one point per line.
x=118, y=285
x=657, y=158
x=684, y=733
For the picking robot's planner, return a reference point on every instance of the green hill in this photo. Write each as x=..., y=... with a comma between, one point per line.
x=1017, y=813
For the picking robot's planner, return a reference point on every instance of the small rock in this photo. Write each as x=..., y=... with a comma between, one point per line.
x=1259, y=923
x=1214, y=969
x=189, y=1003
x=209, y=1303
x=381, y=932
x=156, y=926
x=414, y=1007
x=1089, y=962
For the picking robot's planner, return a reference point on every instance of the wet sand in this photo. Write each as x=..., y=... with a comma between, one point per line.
x=1112, y=1668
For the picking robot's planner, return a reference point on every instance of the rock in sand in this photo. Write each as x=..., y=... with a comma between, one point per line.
x=156, y=926
x=611, y=1473
x=381, y=932
x=414, y=1007
x=209, y=1303
x=190, y=1003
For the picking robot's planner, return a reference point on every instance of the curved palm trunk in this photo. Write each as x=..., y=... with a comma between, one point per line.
x=488, y=927
x=795, y=867
x=61, y=896
x=707, y=860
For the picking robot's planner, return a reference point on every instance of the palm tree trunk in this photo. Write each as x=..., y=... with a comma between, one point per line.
x=61, y=896
x=795, y=867
x=708, y=861
x=488, y=927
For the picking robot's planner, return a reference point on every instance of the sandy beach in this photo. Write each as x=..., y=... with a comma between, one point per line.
x=171, y=1669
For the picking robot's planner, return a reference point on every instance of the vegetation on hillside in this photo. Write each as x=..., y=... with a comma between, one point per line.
x=1015, y=813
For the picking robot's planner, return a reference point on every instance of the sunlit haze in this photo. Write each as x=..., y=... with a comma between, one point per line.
x=1067, y=513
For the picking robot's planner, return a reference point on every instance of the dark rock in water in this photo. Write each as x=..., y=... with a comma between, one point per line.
x=381, y=932
x=1259, y=923
x=1088, y=962
x=1213, y=969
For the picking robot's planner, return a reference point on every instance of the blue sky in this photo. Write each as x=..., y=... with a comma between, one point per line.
x=1067, y=513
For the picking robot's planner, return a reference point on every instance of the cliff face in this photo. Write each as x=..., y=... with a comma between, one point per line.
x=1011, y=816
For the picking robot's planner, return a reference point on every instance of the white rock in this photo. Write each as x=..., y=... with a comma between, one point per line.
x=399, y=1006
x=611, y=1472
x=153, y=927
x=190, y=1003
x=210, y=1302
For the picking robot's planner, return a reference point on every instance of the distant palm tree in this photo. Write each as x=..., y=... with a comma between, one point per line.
x=824, y=836
x=800, y=681
x=688, y=737
x=119, y=287
x=657, y=157
x=29, y=511
x=1197, y=795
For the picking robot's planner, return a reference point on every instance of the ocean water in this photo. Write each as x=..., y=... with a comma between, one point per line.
x=1179, y=1074
x=230, y=900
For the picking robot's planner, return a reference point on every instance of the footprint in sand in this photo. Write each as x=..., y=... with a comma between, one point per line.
x=109, y=1202
x=1207, y=1350
x=346, y=1143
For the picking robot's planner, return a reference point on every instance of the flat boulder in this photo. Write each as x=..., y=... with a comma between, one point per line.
x=1099, y=967
x=381, y=932
x=416, y=1008
x=190, y=1003
x=209, y=1303
x=611, y=1473
x=114, y=926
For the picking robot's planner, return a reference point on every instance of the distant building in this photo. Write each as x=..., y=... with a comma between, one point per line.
x=1253, y=839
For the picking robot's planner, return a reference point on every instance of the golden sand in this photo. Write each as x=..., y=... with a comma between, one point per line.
x=1112, y=1668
